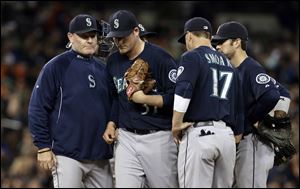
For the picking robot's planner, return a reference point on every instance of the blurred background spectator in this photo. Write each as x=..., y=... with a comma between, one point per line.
x=32, y=32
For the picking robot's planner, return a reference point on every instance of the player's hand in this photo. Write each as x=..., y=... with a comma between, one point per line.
x=47, y=159
x=177, y=131
x=110, y=133
x=138, y=97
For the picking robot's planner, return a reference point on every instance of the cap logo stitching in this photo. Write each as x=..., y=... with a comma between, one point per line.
x=88, y=21
x=141, y=27
x=116, y=23
x=205, y=27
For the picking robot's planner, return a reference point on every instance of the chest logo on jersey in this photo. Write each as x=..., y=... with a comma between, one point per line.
x=179, y=71
x=120, y=83
x=92, y=82
x=172, y=75
x=262, y=78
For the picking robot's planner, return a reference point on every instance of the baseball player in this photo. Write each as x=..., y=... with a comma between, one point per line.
x=262, y=95
x=68, y=112
x=145, y=151
x=207, y=111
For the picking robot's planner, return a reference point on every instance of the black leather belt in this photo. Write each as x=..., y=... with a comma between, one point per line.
x=204, y=123
x=142, y=132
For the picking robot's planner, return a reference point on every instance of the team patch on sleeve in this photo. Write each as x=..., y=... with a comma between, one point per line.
x=179, y=71
x=262, y=78
x=172, y=75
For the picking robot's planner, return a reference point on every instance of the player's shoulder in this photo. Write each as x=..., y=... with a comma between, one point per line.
x=155, y=50
x=256, y=71
x=191, y=54
x=207, y=53
x=158, y=56
x=60, y=60
x=252, y=64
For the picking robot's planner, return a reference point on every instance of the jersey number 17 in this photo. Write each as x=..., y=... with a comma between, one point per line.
x=216, y=78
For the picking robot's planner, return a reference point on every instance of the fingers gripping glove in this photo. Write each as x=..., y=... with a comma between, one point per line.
x=138, y=78
x=277, y=132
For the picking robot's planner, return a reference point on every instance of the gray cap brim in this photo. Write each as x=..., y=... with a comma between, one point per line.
x=118, y=34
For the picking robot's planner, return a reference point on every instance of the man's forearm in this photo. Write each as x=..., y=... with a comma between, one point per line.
x=177, y=119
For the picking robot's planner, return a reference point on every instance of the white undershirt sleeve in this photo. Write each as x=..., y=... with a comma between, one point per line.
x=181, y=104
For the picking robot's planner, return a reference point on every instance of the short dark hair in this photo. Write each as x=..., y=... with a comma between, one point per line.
x=243, y=44
x=204, y=34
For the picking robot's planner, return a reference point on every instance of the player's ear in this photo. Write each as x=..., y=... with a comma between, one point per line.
x=136, y=31
x=237, y=42
x=188, y=36
x=70, y=36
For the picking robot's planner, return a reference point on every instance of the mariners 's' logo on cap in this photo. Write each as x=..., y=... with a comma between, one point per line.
x=88, y=21
x=262, y=78
x=141, y=27
x=116, y=23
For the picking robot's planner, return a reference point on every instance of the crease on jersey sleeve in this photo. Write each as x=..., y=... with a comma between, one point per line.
x=181, y=104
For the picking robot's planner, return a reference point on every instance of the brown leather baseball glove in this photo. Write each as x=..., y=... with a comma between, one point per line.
x=138, y=78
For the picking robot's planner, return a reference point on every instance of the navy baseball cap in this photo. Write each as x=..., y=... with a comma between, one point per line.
x=122, y=24
x=83, y=23
x=145, y=33
x=195, y=24
x=230, y=30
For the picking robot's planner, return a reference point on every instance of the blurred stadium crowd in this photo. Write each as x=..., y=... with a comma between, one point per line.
x=34, y=32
